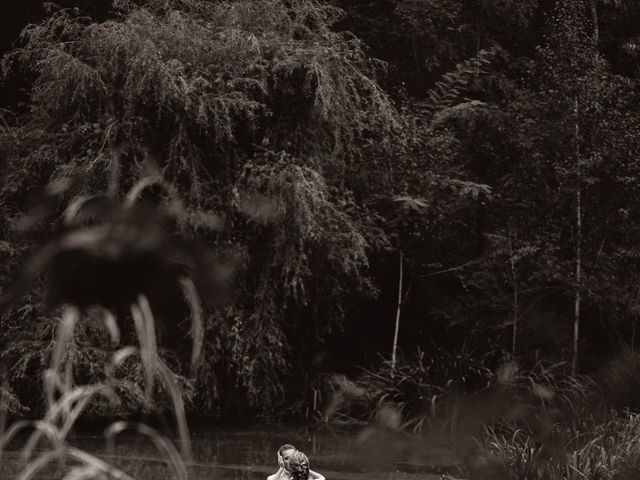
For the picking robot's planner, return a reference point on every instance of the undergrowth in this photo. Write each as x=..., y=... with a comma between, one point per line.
x=504, y=422
x=47, y=445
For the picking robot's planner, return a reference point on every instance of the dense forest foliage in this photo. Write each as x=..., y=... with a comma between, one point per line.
x=460, y=174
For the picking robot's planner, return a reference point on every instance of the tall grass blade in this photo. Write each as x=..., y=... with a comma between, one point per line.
x=161, y=443
x=111, y=325
x=166, y=378
x=98, y=464
x=64, y=336
x=32, y=469
x=47, y=429
x=197, y=324
x=42, y=428
x=145, y=331
x=83, y=473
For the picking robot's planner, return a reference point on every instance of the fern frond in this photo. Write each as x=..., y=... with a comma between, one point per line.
x=448, y=91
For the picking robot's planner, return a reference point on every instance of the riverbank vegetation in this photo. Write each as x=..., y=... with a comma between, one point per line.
x=541, y=423
x=334, y=209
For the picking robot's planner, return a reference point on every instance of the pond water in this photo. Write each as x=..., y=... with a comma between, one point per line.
x=224, y=453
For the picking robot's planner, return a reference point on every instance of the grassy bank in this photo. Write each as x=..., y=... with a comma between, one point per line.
x=469, y=418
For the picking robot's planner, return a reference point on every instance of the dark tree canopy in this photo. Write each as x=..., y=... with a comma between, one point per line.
x=306, y=150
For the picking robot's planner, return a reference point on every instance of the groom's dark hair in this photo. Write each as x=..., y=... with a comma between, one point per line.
x=286, y=446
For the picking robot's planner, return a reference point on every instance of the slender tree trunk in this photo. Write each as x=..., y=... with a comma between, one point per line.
x=578, y=264
x=414, y=50
x=397, y=328
x=113, y=184
x=477, y=55
x=578, y=294
x=514, y=277
x=4, y=405
x=636, y=316
x=594, y=21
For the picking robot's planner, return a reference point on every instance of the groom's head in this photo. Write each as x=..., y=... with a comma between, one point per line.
x=285, y=452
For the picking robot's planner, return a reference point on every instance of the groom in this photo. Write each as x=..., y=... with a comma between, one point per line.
x=284, y=452
x=283, y=473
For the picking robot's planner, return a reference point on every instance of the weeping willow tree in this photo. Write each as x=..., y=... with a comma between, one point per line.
x=253, y=111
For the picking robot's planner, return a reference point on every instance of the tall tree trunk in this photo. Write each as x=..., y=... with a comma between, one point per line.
x=594, y=21
x=414, y=50
x=397, y=328
x=578, y=293
x=4, y=405
x=634, y=321
x=514, y=278
x=578, y=246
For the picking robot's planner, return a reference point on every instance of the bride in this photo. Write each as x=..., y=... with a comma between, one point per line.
x=294, y=465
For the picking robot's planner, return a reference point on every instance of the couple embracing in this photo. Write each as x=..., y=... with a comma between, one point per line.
x=294, y=465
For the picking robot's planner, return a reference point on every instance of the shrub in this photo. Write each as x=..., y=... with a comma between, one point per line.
x=603, y=450
x=619, y=380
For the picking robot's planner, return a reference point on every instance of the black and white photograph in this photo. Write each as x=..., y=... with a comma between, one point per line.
x=320, y=240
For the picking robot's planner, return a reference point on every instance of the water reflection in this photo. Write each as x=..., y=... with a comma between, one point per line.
x=223, y=453
x=247, y=453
